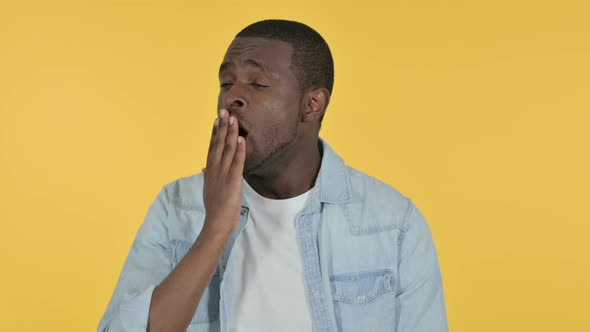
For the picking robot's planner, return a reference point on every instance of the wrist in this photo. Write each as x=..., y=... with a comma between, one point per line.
x=214, y=233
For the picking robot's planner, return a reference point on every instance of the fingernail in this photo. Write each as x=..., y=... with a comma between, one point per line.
x=222, y=113
x=240, y=140
x=231, y=120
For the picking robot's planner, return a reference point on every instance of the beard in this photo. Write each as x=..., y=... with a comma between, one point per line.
x=277, y=143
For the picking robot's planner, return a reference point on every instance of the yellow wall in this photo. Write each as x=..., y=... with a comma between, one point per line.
x=478, y=110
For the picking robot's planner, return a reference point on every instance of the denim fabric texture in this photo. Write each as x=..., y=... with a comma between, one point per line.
x=368, y=256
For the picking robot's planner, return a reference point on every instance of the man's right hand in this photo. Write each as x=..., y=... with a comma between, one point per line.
x=222, y=191
x=175, y=300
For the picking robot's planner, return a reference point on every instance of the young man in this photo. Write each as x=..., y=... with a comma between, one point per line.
x=277, y=233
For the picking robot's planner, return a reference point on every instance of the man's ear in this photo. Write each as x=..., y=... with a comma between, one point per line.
x=315, y=103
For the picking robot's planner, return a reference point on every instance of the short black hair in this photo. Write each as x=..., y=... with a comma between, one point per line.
x=311, y=59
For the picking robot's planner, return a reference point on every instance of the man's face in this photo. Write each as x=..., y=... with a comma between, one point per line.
x=259, y=88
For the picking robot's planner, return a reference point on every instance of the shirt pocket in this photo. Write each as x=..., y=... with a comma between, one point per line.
x=364, y=301
x=208, y=308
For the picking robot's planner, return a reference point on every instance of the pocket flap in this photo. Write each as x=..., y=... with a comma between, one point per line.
x=361, y=287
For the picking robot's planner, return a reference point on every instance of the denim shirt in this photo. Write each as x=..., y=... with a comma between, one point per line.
x=369, y=260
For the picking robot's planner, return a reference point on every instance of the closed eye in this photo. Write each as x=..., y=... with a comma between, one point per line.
x=258, y=85
x=254, y=84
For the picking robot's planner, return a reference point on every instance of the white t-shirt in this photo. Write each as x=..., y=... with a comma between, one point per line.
x=269, y=293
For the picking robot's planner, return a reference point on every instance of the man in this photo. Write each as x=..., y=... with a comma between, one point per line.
x=277, y=233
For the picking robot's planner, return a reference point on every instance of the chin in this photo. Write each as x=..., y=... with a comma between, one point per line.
x=247, y=167
x=251, y=166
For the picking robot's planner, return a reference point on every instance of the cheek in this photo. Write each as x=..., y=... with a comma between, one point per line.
x=219, y=99
x=273, y=116
x=285, y=108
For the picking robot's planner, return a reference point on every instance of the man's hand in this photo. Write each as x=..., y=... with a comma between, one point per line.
x=175, y=300
x=222, y=191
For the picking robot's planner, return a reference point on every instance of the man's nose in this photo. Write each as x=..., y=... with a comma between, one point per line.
x=235, y=102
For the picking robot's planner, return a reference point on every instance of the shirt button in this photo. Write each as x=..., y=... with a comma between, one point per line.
x=243, y=211
x=305, y=235
x=315, y=292
x=361, y=298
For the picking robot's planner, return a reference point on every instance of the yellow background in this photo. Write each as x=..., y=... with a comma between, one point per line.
x=478, y=110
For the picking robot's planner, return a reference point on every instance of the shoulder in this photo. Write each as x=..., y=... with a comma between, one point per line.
x=382, y=199
x=185, y=193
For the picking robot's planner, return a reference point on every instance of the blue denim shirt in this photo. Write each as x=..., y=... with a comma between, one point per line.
x=369, y=260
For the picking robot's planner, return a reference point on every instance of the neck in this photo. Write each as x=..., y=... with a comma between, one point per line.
x=292, y=176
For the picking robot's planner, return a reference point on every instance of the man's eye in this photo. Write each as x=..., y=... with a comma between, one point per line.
x=258, y=85
x=226, y=85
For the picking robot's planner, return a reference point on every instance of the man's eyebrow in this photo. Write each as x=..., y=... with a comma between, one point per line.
x=249, y=62
x=225, y=66
x=261, y=66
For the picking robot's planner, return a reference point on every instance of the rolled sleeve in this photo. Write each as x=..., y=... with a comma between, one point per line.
x=147, y=264
x=420, y=298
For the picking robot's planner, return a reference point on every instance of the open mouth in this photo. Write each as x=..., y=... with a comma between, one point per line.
x=242, y=132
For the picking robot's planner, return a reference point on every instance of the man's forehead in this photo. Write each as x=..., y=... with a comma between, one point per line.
x=267, y=52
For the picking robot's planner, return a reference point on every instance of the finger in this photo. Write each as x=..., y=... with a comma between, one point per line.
x=212, y=142
x=213, y=133
x=237, y=166
x=231, y=141
x=214, y=129
x=219, y=140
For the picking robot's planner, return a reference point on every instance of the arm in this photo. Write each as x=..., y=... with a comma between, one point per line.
x=175, y=300
x=420, y=299
x=148, y=292
x=152, y=296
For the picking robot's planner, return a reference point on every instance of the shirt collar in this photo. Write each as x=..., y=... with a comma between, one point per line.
x=332, y=182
